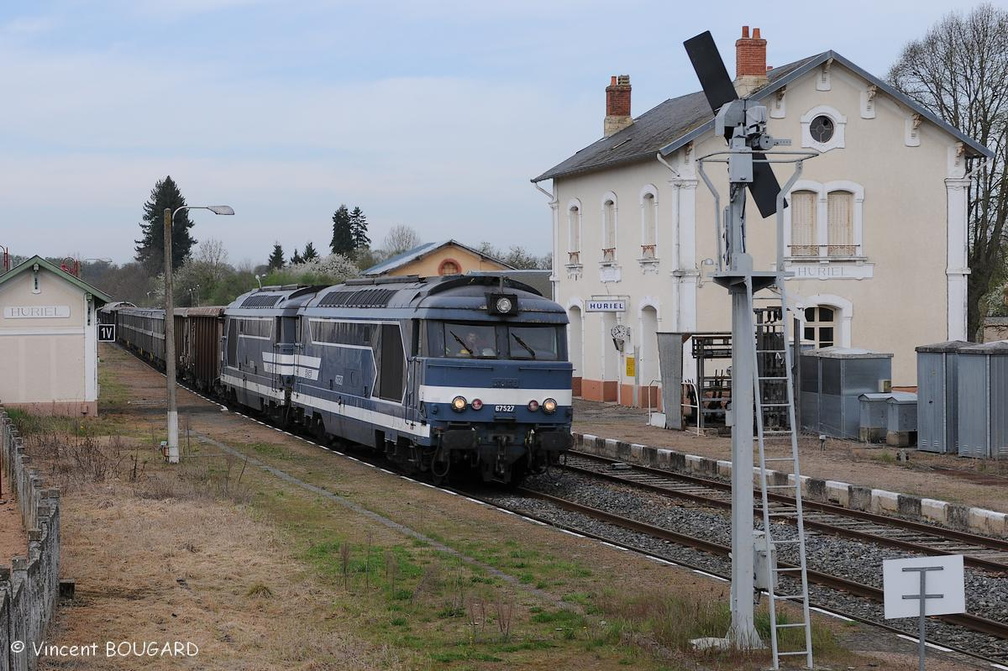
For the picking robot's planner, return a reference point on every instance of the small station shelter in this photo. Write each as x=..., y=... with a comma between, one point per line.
x=48, y=340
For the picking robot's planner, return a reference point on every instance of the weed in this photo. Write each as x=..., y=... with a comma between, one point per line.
x=259, y=591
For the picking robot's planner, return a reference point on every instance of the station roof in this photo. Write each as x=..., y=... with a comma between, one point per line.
x=100, y=296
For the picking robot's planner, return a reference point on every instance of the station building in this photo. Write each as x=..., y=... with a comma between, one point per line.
x=875, y=233
x=434, y=259
x=48, y=340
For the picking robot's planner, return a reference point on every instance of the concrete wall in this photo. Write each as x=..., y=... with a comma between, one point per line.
x=995, y=328
x=30, y=585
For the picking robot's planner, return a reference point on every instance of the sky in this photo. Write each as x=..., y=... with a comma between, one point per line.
x=431, y=115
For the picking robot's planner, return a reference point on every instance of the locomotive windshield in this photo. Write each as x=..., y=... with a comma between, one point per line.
x=488, y=341
x=533, y=342
x=469, y=340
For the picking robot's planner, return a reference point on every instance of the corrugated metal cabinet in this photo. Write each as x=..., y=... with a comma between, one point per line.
x=983, y=400
x=938, y=396
x=832, y=379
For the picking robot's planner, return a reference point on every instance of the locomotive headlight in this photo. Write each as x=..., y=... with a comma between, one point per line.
x=476, y=404
x=504, y=305
x=549, y=406
x=533, y=405
x=458, y=403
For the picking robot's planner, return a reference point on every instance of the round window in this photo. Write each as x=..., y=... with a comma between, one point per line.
x=821, y=129
x=449, y=267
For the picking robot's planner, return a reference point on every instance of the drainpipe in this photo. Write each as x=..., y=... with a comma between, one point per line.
x=677, y=271
x=556, y=232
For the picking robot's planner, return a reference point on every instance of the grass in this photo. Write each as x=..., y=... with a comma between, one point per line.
x=420, y=598
x=405, y=602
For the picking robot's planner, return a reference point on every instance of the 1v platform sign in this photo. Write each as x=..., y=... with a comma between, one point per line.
x=106, y=332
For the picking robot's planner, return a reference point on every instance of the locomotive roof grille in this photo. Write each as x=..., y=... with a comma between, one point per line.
x=261, y=301
x=362, y=298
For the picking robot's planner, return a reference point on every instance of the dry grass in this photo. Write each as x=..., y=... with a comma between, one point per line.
x=198, y=573
x=261, y=573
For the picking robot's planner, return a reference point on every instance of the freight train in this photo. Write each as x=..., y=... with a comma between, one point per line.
x=441, y=375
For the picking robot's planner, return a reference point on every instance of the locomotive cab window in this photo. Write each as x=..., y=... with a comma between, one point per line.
x=533, y=342
x=469, y=340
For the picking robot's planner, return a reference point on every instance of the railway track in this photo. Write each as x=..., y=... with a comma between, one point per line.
x=979, y=552
x=711, y=493
x=971, y=622
x=840, y=589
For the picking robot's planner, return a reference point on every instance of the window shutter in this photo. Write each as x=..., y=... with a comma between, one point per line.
x=840, y=226
x=803, y=224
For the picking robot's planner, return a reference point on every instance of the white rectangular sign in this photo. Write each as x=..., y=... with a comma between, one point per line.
x=606, y=306
x=36, y=311
x=944, y=585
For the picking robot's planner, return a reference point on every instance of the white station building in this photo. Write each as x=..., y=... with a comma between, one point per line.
x=48, y=340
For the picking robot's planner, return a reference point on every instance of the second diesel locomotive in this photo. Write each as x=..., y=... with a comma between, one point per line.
x=439, y=374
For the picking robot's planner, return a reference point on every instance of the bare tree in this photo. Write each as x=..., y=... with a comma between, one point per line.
x=958, y=71
x=212, y=251
x=400, y=239
x=518, y=257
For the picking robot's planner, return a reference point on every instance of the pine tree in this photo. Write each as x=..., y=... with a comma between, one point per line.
x=276, y=259
x=309, y=252
x=358, y=230
x=150, y=248
x=342, y=239
x=296, y=259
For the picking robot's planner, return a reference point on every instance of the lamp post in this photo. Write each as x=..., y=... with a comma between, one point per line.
x=172, y=454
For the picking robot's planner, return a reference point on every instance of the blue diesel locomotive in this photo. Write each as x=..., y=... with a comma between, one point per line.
x=444, y=374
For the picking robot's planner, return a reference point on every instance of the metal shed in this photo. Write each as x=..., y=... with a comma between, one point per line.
x=901, y=421
x=832, y=379
x=983, y=400
x=938, y=396
x=874, y=417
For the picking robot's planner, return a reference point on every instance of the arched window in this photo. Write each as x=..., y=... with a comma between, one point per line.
x=840, y=224
x=609, y=230
x=825, y=221
x=449, y=267
x=803, y=224
x=574, y=233
x=820, y=326
x=649, y=225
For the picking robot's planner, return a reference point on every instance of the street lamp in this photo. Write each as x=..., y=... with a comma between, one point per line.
x=172, y=448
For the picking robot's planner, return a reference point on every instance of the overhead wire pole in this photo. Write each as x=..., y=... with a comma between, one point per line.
x=171, y=448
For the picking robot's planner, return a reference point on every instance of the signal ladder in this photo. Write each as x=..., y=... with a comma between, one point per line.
x=773, y=391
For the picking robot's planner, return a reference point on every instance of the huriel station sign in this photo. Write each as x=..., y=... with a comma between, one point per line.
x=607, y=304
x=36, y=311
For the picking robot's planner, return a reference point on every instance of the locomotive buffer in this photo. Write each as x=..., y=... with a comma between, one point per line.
x=758, y=392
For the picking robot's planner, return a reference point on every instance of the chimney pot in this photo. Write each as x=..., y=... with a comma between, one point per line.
x=750, y=55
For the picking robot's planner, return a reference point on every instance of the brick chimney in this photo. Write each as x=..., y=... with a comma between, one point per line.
x=750, y=62
x=617, y=105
